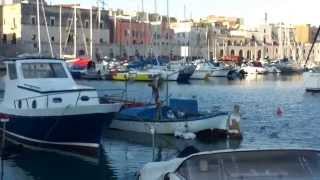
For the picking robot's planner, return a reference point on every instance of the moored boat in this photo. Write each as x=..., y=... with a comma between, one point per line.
x=289, y=66
x=48, y=110
x=135, y=76
x=254, y=68
x=268, y=164
x=180, y=116
x=312, y=81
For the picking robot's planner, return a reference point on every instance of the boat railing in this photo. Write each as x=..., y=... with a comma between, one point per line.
x=109, y=96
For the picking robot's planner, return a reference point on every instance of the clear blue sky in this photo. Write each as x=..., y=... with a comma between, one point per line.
x=289, y=11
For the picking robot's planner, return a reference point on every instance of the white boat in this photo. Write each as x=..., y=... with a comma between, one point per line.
x=218, y=69
x=312, y=81
x=268, y=164
x=200, y=75
x=201, y=72
x=180, y=116
x=254, y=68
x=46, y=109
x=289, y=66
x=165, y=73
x=272, y=69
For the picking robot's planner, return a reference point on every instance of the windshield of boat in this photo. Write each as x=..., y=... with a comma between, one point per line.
x=43, y=70
x=252, y=166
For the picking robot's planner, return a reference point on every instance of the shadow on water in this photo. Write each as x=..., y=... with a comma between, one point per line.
x=129, y=151
x=52, y=166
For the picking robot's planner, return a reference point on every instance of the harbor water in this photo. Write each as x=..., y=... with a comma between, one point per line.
x=260, y=97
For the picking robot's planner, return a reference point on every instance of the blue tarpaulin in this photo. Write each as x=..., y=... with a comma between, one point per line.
x=188, y=106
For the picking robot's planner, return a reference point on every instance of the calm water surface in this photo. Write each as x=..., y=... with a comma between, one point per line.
x=124, y=153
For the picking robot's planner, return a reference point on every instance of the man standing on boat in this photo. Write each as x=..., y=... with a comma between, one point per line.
x=156, y=94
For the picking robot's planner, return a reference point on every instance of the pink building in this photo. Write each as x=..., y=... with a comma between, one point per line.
x=132, y=33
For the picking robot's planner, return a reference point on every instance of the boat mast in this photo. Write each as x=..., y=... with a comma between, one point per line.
x=46, y=26
x=168, y=29
x=60, y=31
x=91, y=35
x=313, y=43
x=39, y=32
x=75, y=32
x=208, y=43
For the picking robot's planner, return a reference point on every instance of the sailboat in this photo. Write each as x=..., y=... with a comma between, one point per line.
x=179, y=116
x=312, y=76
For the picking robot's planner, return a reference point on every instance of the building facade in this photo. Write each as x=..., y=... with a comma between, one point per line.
x=19, y=30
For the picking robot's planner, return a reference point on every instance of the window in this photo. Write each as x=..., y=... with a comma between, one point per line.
x=52, y=39
x=4, y=39
x=14, y=39
x=101, y=25
x=69, y=22
x=14, y=23
x=34, y=104
x=70, y=38
x=33, y=20
x=43, y=70
x=52, y=21
x=101, y=40
x=12, y=71
x=3, y=70
x=87, y=24
x=34, y=37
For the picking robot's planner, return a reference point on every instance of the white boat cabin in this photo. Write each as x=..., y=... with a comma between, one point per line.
x=41, y=84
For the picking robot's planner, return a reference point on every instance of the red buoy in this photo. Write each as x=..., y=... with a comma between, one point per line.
x=279, y=111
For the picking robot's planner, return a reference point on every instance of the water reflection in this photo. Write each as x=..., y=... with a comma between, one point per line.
x=52, y=166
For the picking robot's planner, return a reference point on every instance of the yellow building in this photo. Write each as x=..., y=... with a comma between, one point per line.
x=303, y=33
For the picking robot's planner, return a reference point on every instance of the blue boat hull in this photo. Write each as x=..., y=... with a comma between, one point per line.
x=184, y=77
x=76, y=134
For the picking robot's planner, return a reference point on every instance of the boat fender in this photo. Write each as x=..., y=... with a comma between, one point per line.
x=185, y=135
x=171, y=115
x=234, y=121
x=181, y=114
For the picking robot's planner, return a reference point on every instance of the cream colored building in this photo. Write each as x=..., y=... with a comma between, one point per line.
x=19, y=30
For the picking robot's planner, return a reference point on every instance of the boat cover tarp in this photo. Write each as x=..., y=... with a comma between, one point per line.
x=82, y=63
x=188, y=106
x=141, y=113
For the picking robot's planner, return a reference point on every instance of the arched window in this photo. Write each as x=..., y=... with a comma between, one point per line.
x=221, y=53
x=248, y=54
x=259, y=55
x=232, y=52
x=241, y=53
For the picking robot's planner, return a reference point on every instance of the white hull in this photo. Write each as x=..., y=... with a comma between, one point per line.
x=312, y=81
x=169, y=76
x=200, y=75
x=65, y=111
x=217, y=122
x=220, y=73
x=254, y=70
x=273, y=69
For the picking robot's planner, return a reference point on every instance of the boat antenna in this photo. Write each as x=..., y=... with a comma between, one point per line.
x=46, y=26
x=39, y=32
x=313, y=43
